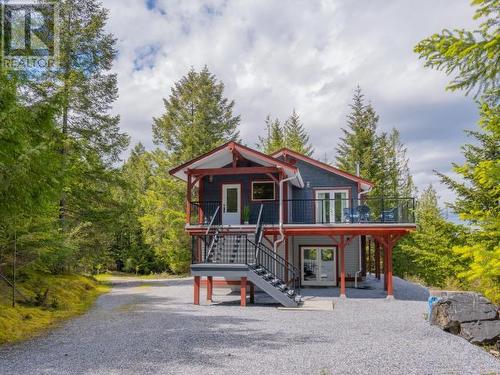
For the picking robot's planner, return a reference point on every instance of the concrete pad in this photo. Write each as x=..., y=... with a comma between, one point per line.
x=312, y=305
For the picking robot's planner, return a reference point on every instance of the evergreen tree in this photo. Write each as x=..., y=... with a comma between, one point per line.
x=473, y=57
x=274, y=139
x=29, y=177
x=130, y=251
x=295, y=136
x=358, y=146
x=427, y=252
x=477, y=202
x=395, y=179
x=197, y=117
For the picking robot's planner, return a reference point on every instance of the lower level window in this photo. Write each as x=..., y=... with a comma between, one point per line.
x=262, y=191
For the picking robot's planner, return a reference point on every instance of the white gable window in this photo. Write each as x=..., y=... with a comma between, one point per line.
x=262, y=190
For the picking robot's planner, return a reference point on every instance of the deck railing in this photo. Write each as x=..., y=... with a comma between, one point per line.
x=371, y=210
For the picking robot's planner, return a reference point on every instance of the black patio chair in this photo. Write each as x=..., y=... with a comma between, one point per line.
x=364, y=213
x=389, y=216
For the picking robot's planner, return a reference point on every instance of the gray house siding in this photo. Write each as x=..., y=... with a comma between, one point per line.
x=212, y=192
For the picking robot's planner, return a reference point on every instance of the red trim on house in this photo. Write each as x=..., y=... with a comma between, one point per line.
x=319, y=164
x=243, y=292
x=196, y=284
x=233, y=171
x=233, y=146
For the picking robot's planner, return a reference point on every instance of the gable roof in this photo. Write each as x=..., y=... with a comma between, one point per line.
x=223, y=155
x=364, y=184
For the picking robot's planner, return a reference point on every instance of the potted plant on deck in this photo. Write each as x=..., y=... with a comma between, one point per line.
x=246, y=215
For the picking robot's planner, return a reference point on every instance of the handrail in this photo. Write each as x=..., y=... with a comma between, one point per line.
x=212, y=244
x=212, y=221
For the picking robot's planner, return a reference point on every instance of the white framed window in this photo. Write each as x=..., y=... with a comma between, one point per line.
x=263, y=190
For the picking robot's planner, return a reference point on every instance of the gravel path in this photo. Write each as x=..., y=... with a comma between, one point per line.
x=151, y=327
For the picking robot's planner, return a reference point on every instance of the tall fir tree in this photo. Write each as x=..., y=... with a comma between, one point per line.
x=359, y=144
x=478, y=197
x=472, y=56
x=295, y=136
x=274, y=139
x=197, y=117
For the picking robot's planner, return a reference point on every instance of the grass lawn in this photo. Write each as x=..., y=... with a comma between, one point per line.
x=52, y=299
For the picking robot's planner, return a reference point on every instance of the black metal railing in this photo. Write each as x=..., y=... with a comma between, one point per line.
x=277, y=266
x=369, y=210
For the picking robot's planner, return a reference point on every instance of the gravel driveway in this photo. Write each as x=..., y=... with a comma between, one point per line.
x=151, y=327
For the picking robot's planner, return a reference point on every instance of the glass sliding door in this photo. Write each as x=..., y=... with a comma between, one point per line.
x=318, y=265
x=332, y=206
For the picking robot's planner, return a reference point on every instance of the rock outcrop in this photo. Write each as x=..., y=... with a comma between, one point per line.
x=469, y=315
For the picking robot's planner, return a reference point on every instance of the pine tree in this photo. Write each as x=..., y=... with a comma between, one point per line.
x=30, y=177
x=395, y=179
x=274, y=139
x=473, y=56
x=478, y=197
x=197, y=117
x=295, y=136
x=359, y=145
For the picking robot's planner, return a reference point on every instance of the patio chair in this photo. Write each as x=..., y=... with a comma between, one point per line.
x=364, y=213
x=389, y=216
x=350, y=216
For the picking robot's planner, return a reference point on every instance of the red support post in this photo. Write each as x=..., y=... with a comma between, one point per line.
x=210, y=286
x=385, y=267
x=188, y=199
x=377, y=260
x=342, y=265
x=197, y=282
x=389, y=268
x=243, y=292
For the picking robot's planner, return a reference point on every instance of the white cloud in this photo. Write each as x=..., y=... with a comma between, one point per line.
x=274, y=56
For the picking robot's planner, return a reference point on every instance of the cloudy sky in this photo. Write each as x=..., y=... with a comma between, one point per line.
x=276, y=55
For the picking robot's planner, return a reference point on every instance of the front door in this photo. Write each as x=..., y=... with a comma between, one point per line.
x=318, y=265
x=231, y=204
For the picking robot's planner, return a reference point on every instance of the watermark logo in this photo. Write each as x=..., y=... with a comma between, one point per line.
x=29, y=32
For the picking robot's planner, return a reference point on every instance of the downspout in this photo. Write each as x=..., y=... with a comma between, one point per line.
x=282, y=236
x=359, y=252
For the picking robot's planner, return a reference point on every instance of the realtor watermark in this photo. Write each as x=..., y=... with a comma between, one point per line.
x=30, y=34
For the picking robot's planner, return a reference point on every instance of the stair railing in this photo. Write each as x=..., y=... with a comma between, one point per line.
x=212, y=220
x=277, y=266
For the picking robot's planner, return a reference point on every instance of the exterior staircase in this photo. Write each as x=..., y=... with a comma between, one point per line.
x=235, y=255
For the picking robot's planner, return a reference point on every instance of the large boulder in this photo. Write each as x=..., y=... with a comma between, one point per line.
x=455, y=308
x=482, y=332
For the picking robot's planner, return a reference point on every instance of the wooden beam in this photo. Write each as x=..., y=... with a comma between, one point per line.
x=233, y=171
x=388, y=273
x=341, y=247
x=188, y=199
x=197, y=290
x=243, y=291
x=272, y=177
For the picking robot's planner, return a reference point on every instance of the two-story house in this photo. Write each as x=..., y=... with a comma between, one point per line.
x=283, y=221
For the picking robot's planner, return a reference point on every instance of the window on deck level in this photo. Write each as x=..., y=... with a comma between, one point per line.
x=262, y=191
